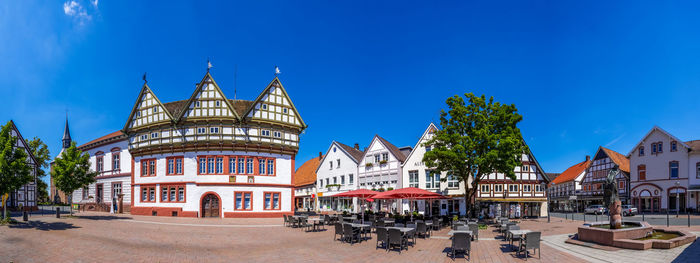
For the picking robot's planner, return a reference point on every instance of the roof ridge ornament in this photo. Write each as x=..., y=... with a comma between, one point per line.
x=209, y=66
x=144, y=78
x=277, y=71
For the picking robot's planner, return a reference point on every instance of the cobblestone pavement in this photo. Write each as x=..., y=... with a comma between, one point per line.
x=654, y=219
x=93, y=237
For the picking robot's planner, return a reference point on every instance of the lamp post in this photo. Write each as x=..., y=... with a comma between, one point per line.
x=549, y=209
x=678, y=202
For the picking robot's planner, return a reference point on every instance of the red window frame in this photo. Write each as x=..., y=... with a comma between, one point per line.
x=621, y=185
x=99, y=163
x=272, y=198
x=177, y=191
x=182, y=168
x=243, y=193
x=206, y=164
x=227, y=159
x=148, y=191
x=641, y=172
x=148, y=167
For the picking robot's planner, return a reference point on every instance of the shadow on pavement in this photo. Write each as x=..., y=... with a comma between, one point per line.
x=690, y=254
x=44, y=226
x=107, y=217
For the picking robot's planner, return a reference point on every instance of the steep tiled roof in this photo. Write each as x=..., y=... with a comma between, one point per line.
x=176, y=107
x=619, y=159
x=354, y=153
x=306, y=174
x=98, y=141
x=571, y=173
x=694, y=145
x=393, y=149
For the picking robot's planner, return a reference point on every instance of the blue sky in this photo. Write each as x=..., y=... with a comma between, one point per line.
x=581, y=74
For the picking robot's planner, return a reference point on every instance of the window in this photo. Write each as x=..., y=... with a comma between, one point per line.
x=335, y=180
x=413, y=179
x=673, y=169
x=642, y=172
x=249, y=165
x=219, y=165
x=272, y=201
x=201, y=130
x=697, y=170
x=178, y=165
x=432, y=180
x=659, y=147
x=284, y=110
x=327, y=181
x=385, y=157
x=241, y=165
x=202, y=165
x=350, y=179
x=428, y=148
x=231, y=165
x=498, y=188
x=653, y=148
x=154, y=135
x=214, y=130
x=85, y=193
x=277, y=134
x=155, y=109
x=270, y=166
x=513, y=188
x=674, y=146
x=261, y=166
x=218, y=103
x=526, y=168
x=138, y=114
x=452, y=181
x=171, y=166
x=376, y=158
x=622, y=185
x=173, y=193
x=243, y=200
x=338, y=162
x=331, y=164
x=148, y=167
x=163, y=194
x=148, y=193
x=527, y=188
x=100, y=163
x=181, y=194
x=264, y=106
x=265, y=133
x=641, y=150
x=115, y=161
x=210, y=165
x=538, y=188
x=485, y=188
x=116, y=189
x=197, y=104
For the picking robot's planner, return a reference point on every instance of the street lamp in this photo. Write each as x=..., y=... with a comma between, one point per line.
x=678, y=208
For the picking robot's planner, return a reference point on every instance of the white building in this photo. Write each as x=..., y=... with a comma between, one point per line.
x=663, y=168
x=380, y=168
x=305, y=184
x=416, y=174
x=337, y=173
x=563, y=189
x=110, y=158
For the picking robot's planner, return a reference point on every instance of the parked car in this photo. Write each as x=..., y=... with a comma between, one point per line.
x=595, y=209
x=629, y=210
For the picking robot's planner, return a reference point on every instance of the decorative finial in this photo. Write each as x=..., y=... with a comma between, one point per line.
x=277, y=70
x=208, y=65
x=144, y=78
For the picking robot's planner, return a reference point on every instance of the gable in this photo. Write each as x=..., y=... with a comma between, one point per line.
x=208, y=100
x=274, y=105
x=656, y=131
x=427, y=135
x=334, y=152
x=22, y=143
x=147, y=111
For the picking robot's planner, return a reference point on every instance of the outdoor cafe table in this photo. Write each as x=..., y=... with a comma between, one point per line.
x=360, y=226
x=452, y=232
x=403, y=230
x=517, y=233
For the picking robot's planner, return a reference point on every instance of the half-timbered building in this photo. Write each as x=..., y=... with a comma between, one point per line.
x=498, y=195
x=597, y=172
x=209, y=156
x=26, y=196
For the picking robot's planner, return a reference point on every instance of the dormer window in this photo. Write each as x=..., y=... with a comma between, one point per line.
x=641, y=150
x=674, y=146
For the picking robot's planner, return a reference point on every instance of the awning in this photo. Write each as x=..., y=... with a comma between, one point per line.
x=694, y=188
x=523, y=200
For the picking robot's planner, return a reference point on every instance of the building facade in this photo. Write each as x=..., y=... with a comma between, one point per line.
x=209, y=156
x=564, y=189
x=416, y=174
x=26, y=196
x=380, y=170
x=305, y=185
x=337, y=172
x=498, y=195
x=597, y=172
x=662, y=167
x=110, y=158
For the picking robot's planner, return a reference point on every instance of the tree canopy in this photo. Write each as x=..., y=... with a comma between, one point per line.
x=42, y=157
x=14, y=169
x=71, y=170
x=478, y=137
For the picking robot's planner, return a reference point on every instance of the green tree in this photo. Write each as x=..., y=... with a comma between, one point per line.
x=42, y=156
x=14, y=170
x=71, y=171
x=477, y=138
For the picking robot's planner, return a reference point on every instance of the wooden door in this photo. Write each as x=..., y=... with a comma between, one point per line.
x=210, y=206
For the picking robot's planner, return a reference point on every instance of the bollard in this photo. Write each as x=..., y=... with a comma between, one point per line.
x=25, y=216
x=666, y=217
x=642, y=216
x=584, y=217
x=688, y=218
x=596, y=217
x=58, y=212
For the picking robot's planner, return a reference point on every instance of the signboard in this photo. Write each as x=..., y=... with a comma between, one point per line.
x=232, y=179
x=320, y=194
x=573, y=197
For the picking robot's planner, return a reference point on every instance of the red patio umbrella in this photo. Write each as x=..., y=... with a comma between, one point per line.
x=359, y=193
x=410, y=193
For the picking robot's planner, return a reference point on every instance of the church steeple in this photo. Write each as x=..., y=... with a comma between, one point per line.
x=66, y=136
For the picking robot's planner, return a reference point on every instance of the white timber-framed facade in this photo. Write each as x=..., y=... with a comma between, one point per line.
x=337, y=172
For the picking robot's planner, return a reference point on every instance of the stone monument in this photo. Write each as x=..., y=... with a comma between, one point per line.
x=611, y=197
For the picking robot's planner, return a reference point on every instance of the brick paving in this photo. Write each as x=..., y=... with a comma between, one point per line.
x=101, y=237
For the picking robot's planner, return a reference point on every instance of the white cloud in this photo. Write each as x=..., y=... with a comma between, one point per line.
x=77, y=11
x=94, y=3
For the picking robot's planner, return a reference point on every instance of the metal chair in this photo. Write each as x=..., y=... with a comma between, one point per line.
x=351, y=234
x=475, y=231
x=399, y=225
x=338, y=231
x=436, y=224
x=532, y=241
x=327, y=219
x=462, y=228
x=506, y=234
x=461, y=242
x=286, y=220
x=381, y=237
x=422, y=229
x=396, y=238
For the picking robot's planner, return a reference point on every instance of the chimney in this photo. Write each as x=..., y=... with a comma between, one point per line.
x=357, y=146
x=320, y=155
x=588, y=158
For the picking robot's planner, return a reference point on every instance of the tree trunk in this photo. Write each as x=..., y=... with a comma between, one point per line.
x=71, y=204
x=4, y=208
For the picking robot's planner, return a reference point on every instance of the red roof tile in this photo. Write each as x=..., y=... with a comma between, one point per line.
x=306, y=174
x=571, y=173
x=622, y=162
x=103, y=138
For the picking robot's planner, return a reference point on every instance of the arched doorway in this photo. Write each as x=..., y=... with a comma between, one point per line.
x=210, y=205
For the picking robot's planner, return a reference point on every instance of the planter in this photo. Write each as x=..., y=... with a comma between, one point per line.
x=369, y=164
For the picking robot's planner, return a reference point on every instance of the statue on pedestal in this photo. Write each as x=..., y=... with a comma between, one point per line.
x=611, y=197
